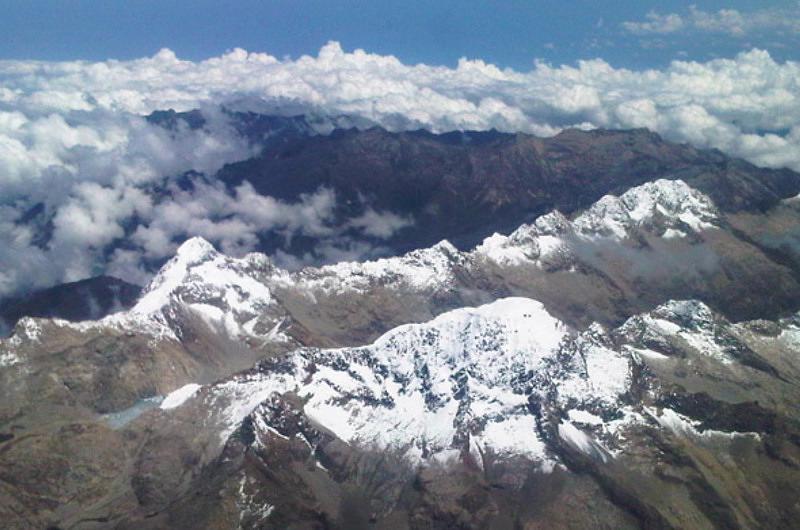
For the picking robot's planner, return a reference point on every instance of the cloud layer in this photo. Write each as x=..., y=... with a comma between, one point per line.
x=72, y=136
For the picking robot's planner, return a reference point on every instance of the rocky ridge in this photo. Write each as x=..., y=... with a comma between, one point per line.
x=502, y=395
x=525, y=392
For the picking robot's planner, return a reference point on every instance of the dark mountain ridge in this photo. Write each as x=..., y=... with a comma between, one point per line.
x=87, y=299
x=463, y=186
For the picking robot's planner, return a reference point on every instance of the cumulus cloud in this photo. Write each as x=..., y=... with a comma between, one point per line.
x=86, y=170
x=380, y=225
x=725, y=21
x=72, y=136
x=751, y=93
x=233, y=220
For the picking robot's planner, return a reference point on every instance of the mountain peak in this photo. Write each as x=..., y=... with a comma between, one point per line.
x=195, y=249
x=192, y=252
x=674, y=202
x=430, y=390
x=445, y=246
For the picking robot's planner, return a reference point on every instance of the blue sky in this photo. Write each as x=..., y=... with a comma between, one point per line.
x=506, y=33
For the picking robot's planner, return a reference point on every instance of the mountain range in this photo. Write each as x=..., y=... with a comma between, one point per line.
x=598, y=329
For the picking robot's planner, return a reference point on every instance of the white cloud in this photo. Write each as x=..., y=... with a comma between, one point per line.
x=72, y=136
x=382, y=225
x=232, y=220
x=656, y=23
x=725, y=21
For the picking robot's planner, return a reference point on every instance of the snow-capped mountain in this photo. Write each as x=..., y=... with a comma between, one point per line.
x=479, y=388
x=462, y=384
x=667, y=208
x=238, y=295
x=429, y=391
x=478, y=380
x=249, y=308
x=435, y=388
x=244, y=296
x=229, y=295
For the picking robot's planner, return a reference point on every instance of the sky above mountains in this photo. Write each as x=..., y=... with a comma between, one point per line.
x=626, y=33
x=77, y=78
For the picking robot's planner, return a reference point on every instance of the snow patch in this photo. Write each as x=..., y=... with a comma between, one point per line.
x=180, y=396
x=684, y=426
x=582, y=416
x=420, y=270
x=579, y=440
x=8, y=358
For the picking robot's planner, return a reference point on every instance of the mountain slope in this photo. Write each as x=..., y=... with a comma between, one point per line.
x=463, y=186
x=622, y=256
x=508, y=400
x=418, y=400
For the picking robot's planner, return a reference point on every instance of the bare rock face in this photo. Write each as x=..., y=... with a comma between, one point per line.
x=630, y=364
